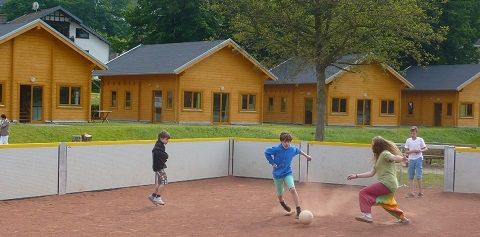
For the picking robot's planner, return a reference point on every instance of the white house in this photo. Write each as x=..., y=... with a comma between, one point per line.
x=73, y=28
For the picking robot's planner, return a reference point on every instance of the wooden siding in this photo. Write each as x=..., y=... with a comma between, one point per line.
x=6, y=76
x=423, y=108
x=368, y=82
x=225, y=71
x=141, y=89
x=38, y=54
x=470, y=94
x=295, y=106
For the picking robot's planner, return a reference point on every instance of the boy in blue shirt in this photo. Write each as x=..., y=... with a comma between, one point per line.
x=280, y=157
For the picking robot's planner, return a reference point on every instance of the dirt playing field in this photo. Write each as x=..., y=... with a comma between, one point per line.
x=233, y=207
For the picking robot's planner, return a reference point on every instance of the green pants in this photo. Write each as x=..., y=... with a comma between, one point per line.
x=279, y=184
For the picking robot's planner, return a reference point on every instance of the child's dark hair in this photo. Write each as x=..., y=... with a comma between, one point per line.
x=163, y=134
x=3, y=116
x=285, y=137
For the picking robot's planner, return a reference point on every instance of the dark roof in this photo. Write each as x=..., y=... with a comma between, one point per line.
x=441, y=77
x=157, y=58
x=297, y=71
x=38, y=15
x=8, y=28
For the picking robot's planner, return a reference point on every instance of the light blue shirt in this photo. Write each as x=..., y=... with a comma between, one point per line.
x=281, y=157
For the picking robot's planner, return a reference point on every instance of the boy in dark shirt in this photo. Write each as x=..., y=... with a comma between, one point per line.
x=159, y=165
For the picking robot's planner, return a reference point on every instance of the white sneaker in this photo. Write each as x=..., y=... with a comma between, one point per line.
x=364, y=218
x=158, y=200
x=153, y=200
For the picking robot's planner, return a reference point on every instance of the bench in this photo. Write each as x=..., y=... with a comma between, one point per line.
x=433, y=154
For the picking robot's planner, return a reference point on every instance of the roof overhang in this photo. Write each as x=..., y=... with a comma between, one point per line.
x=56, y=34
x=228, y=42
x=467, y=82
x=397, y=75
x=362, y=59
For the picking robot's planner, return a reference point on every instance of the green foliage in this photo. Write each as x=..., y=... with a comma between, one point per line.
x=165, y=21
x=104, y=16
x=322, y=31
x=463, y=19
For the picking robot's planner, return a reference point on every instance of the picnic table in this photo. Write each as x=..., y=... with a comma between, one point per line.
x=103, y=114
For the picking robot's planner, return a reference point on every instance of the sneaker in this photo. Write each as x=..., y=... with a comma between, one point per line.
x=159, y=201
x=153, y=200
x=364, y=218
x=404, y=221
x=420, y=195
x=409, y=195
x=289, y=213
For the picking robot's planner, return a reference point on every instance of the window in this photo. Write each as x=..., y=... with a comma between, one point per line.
x=466, y=110
x=339, y=105
x=270, y=104
x=449, y=109
x=81, y=33
x=387, y=107
x=283, y=104
x=410, y=108
x=192, y=100
x=128, y=100
x=248, y=102
x=169, y=99
x=1, y=94
x=114, y=99
x=70, y=95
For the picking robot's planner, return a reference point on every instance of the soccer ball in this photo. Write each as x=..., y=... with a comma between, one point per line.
x=305, y=217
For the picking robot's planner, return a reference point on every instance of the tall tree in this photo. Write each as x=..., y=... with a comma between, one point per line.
x=165, y=21
x=322, y=31
x=463, y=19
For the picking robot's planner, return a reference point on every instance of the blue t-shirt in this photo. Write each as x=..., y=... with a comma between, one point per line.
x=282, y=158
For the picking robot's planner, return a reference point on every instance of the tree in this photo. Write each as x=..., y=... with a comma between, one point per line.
x=104, y=16
x=322, y=31
x=463, y=19
x=165, y=21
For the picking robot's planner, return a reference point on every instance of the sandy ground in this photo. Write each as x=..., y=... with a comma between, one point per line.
x=233, y=207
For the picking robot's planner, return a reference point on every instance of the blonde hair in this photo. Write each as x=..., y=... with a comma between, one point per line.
x=380, y=144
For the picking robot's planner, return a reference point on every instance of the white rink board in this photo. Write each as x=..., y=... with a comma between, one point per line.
x=197, y=160
x=28, y=172
x=100, y=167
x=333, y=163
x=467, y=171
x=249, y=160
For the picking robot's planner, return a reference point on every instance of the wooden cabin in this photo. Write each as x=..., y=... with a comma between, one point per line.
x=443, y=95
x=44, y=77
x=360, y=95
x=207, y=82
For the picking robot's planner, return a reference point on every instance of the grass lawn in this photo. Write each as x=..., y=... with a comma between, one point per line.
x=113, y=131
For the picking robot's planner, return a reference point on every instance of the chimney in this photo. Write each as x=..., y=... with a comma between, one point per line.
x=3, y=19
